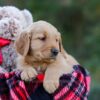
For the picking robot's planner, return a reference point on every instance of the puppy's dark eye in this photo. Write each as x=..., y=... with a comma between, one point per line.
x=42, y=38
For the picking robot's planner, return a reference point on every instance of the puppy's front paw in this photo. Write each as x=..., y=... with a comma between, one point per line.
x=51, y=85
x=28, y=74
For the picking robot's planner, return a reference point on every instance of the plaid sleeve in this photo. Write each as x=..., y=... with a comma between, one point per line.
x=74, y=86
x=13, y=88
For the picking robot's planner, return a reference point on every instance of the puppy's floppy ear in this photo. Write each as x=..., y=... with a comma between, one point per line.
x=60, y=45
x=62, y=50
x=22, y=43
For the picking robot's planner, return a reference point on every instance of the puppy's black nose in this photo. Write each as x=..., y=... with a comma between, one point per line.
x=54, y=51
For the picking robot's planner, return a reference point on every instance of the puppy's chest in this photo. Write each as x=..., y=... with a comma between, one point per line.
x=40, y=69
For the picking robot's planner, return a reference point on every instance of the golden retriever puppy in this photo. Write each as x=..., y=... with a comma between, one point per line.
x=39, y=50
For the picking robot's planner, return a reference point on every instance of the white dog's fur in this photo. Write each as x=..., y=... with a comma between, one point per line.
x=23, y=16
x=12, y=22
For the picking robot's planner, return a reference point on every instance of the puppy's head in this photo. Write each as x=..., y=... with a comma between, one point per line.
x=41, y=41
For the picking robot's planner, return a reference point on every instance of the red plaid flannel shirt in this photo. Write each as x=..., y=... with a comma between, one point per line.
x=73, y=86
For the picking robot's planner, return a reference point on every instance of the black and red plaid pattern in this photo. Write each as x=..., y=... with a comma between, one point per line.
x=73, y=86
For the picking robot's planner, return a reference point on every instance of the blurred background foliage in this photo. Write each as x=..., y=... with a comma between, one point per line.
x=79, y=23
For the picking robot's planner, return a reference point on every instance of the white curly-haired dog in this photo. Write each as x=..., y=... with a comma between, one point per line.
x=12, y=22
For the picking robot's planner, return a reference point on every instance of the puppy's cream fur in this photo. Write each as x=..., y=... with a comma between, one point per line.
x=34, y=47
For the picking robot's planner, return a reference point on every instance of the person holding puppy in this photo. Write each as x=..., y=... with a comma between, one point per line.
x=45, y=71
x=40, y=47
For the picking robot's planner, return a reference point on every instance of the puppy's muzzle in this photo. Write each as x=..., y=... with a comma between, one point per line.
x=54, y=52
